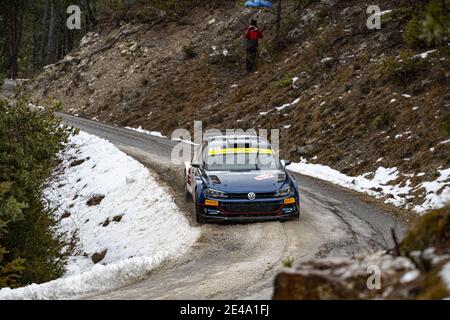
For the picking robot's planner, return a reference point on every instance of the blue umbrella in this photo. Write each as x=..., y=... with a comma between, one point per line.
x=258, y=4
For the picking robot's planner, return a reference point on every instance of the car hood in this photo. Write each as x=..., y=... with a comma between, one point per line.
x=254, y=181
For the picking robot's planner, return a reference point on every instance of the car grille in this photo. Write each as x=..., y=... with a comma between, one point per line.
x=245, y=195
x=251, y=207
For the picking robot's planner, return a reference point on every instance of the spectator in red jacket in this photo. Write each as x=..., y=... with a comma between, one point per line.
x=252, y=36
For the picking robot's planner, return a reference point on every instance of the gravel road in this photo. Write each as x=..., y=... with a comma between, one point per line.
x=240, y=261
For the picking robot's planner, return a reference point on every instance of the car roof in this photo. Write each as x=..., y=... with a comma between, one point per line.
x=234, y=137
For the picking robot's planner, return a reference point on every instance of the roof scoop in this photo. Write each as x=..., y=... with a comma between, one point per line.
x=281, y=177
x=215, y=179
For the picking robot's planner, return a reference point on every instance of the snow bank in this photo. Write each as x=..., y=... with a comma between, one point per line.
x=445, y=275
x=137, y=222
x=437, y=192
x=152, y=133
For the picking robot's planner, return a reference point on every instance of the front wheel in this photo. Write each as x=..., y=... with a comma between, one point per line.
x=198, y=212
x=199, y=215
x=296, y=217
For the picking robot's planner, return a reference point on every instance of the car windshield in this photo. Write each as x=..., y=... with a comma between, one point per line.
x=238, y=158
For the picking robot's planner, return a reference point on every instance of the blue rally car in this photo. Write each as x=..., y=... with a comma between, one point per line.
x=239, y=178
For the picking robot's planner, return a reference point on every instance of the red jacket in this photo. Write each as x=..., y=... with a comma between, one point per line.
x=253, y=33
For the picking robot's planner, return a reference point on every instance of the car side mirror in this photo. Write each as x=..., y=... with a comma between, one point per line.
x=195, y=165
x=287, y=162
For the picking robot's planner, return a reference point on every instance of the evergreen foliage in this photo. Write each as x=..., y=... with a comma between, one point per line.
x=31, y=251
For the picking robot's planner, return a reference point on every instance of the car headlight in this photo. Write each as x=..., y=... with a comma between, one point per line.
x=215, y=193
x=284, y=192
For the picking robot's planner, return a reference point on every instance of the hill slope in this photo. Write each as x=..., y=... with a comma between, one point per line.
x=342, y=95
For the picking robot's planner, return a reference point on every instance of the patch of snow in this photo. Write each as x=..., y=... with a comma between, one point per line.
x=444, y=142
x=382, y=13
x=410, y=276
x=378, y=186
x=326, y=59
x=407, y=96
x=445, y=275
x=404, y=134
x=437, y=192
x=424, y=55
x=415, y=108
x=284, y=106
x=150, y=231
x=264, y=113
x=152, y=133
x=393, y=100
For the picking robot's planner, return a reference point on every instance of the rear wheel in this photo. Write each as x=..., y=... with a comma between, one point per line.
x=187, y=194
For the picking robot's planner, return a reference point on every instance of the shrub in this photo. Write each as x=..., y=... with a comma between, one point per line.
x=189, y=52
x=430, y=25
x=30, y=249
x=413, y=31
x=436, y=23
x=404, y=70
x=432, y=230
x=284, y=82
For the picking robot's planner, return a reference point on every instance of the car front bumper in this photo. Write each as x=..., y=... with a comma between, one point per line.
x=251, y=211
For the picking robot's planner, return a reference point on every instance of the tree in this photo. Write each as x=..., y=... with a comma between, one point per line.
x=278, y=24
x=30, y=250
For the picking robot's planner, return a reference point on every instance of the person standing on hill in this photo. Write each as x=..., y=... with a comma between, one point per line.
x=252, y=36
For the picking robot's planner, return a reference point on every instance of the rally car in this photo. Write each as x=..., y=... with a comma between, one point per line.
x=239, y=178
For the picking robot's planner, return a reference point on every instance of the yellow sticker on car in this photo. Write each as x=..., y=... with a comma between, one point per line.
x=289, y=200
x=215, y=152
x=212, y=203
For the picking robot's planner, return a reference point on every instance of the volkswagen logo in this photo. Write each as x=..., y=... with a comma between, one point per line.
x=251, y=196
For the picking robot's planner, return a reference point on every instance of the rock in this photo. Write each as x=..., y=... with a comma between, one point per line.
x=106, y=223
x=118, y=218
x=304, y=150
x=95, y=200
x=294, y=34
x=99, y=256
x=65, y=215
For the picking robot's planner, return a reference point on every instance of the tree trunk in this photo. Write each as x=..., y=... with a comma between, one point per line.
x=35, y=44
x=15, y=24
x=44, y=35
x=52, y=35
x=90, y=16
x=278, y=24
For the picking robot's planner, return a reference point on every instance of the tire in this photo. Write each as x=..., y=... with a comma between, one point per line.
x=199, y=215
x=187, y=194
x=198, y=212
x=294, y=218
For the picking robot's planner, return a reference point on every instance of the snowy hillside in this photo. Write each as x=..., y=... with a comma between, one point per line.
x=125, y=221
x=384, y=184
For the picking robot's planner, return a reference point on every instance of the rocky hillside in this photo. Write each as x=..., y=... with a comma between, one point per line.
x=342, y=95
x=418, y=269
